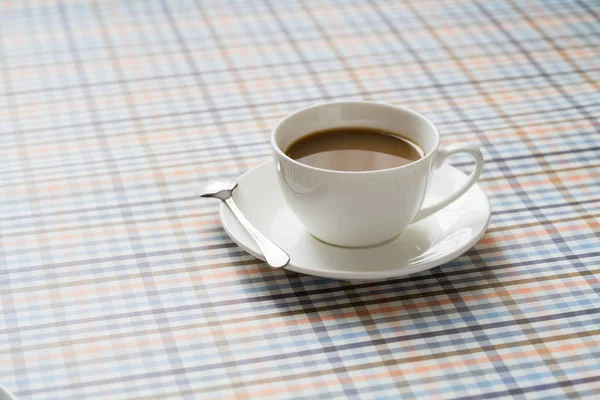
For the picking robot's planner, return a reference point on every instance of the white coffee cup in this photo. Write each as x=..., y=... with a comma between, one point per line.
x=364, y=208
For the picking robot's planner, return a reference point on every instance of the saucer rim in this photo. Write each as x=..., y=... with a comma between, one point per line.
x=6, y=394
x=397, y=272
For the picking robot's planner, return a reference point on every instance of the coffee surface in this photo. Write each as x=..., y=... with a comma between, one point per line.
x=354, y=149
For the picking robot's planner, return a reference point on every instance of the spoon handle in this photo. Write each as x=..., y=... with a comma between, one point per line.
x=274, y=255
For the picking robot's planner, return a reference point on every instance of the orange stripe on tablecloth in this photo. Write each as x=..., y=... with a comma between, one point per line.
x=129, y=138
x=299, y=321
x=514, y=235
x=530, y=132
x=208, y=274
x=54, y=238
x=578, y=175
x=279, y=84
x=491, y=237
x=424, y=369
x=433, y=103
x=146, y=176
x=243, y=50
x=502, y=357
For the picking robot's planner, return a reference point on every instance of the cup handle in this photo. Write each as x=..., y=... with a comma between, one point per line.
x=442, y=156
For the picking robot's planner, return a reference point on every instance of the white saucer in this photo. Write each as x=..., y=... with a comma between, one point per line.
x=423, y=245
x=5, y=394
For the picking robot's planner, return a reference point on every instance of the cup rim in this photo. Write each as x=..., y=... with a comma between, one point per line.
x=415, y=114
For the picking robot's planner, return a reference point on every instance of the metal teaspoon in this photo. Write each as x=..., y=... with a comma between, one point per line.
x=222, y=189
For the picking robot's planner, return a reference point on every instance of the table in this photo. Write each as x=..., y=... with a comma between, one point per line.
x=116, y=282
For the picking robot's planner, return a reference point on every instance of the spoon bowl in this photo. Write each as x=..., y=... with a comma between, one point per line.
x=219, y=189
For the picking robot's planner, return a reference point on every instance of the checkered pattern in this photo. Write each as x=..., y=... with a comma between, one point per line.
x=115, y=282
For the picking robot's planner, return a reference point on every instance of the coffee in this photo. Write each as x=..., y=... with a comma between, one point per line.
x=354, y=149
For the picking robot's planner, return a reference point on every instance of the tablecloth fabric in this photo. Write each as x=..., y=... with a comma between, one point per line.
x=116, y=282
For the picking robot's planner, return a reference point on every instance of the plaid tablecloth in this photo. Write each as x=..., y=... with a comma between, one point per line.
x=116, y=282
